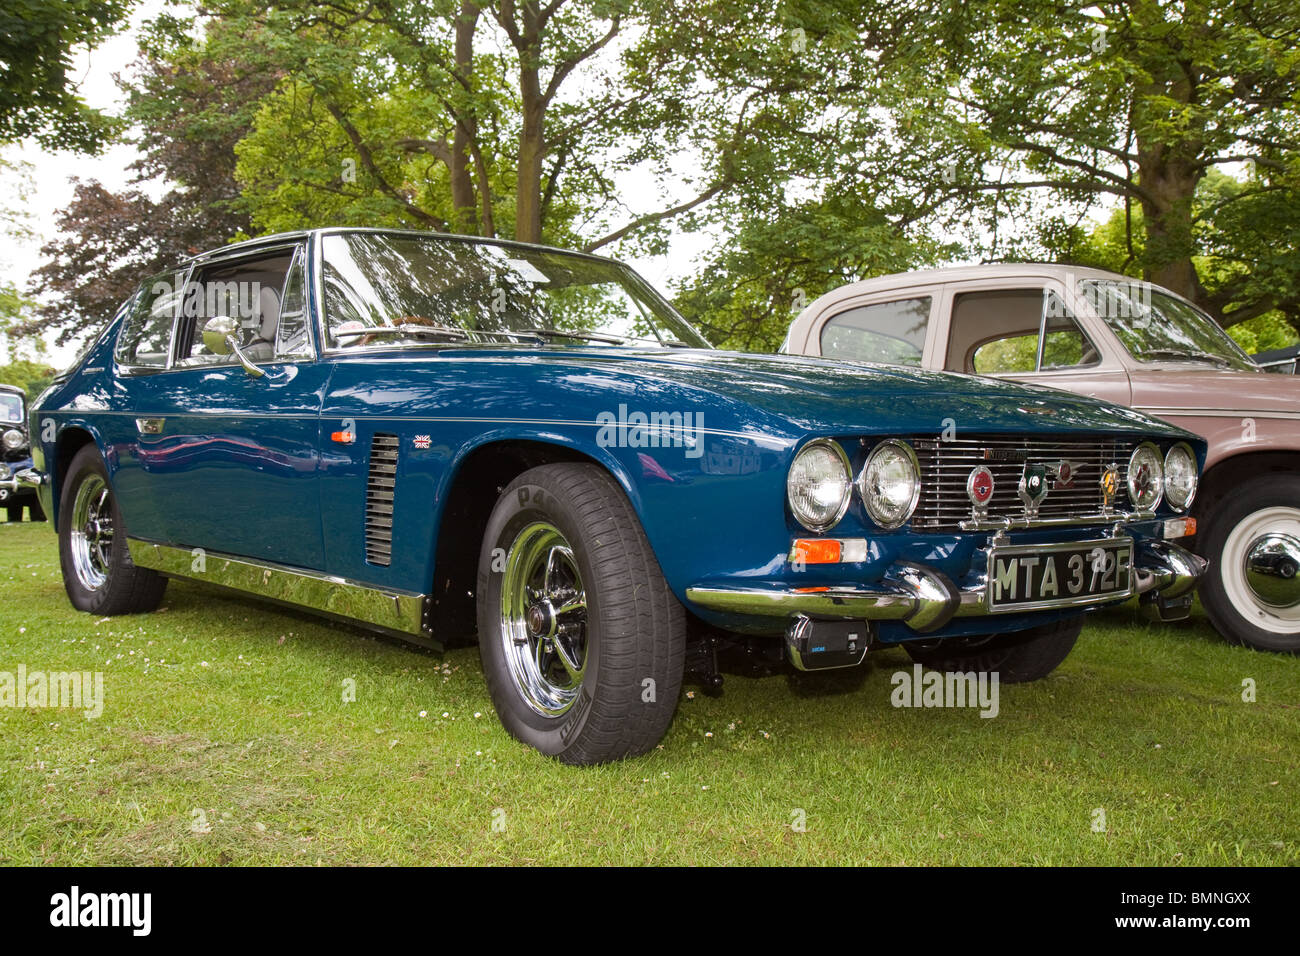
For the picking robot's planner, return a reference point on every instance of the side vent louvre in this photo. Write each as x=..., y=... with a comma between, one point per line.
x=379, y=499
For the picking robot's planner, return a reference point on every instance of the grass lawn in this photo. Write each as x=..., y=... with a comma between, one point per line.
x=225, y=739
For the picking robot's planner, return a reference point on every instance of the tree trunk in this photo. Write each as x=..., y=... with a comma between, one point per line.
x=1167, y=216
x=532, y=148
x=1168, y=175
x=464, y=214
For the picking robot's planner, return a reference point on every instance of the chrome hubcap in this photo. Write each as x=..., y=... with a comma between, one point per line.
x=1272, y=561
x=92, y=532
x=1260, y=566
x=544, y=620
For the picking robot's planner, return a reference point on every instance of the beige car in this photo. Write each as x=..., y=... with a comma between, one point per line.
x=1107, y=336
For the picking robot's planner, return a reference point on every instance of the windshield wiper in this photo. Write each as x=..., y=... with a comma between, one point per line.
x=1192, y=354
x=559, y=334
x=408, y=329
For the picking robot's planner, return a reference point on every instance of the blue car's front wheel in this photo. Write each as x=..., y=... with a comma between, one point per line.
x=581, y=639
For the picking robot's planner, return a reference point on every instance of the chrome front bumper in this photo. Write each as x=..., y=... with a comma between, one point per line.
x=925, y=599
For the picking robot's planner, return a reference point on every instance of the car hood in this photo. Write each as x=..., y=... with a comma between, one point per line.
x=1188, y=390
x=835, y=397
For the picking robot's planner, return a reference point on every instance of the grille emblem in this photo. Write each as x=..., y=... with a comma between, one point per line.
x=979, y=488
x=1064, y=471
x=1109, y=486
x=1033, y=488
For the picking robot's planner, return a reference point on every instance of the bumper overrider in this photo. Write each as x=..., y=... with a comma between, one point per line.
x=1164, y=575
x=20, y=480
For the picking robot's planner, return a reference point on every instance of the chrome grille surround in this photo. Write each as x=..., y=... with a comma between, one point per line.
x=946, y=466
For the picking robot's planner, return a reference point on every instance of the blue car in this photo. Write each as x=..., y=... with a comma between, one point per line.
x=439, y=437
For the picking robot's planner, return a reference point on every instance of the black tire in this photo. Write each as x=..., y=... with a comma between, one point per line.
x=1234, y=618
x=1017, y=658
x=632, y=630
x=124, y=588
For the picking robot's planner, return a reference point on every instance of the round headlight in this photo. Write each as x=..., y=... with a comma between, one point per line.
x=13, y=439
x=1180, y=476
x=890, y=483
x=1146, y=480
x=819, y=485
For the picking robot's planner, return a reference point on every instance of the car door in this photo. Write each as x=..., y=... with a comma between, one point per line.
x=232, y=458
x=1026, y=330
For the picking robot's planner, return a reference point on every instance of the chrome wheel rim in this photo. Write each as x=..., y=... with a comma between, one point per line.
x=1256, y=559
x=544, y=620
x=92, y=532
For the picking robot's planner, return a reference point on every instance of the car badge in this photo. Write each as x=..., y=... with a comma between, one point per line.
x=422, y=441
x=979, y=488
x=1064, y=471
x=1109, y=486
x=1033, y=488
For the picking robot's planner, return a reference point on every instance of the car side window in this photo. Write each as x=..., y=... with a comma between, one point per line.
x=998, y=331
x=892, y=333
x=146, y=334
x=292, y=340
x=248, y=291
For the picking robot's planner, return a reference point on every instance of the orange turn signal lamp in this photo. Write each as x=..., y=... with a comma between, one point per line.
x=1179, y=528
x=343, y=438
x=828, y=550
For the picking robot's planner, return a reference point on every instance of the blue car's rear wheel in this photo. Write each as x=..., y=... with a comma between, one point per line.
x=97, y=570
x=581, y=639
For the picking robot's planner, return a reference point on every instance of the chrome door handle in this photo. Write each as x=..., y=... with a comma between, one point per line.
x=150, y=426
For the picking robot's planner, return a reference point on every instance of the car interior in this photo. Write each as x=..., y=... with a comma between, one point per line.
x=248, y=291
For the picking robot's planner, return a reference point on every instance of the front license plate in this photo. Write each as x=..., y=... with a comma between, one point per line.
x=1059, y=575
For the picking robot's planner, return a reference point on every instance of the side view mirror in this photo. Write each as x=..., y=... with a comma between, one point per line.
x=221, y=337
x=218, y=335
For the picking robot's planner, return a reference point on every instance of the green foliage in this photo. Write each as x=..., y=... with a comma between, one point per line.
x=1246, y=261
x=32, y=376
x=38, y=96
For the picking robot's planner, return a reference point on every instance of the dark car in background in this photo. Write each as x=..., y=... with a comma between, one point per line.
x=18, y=480
x=1280, y=361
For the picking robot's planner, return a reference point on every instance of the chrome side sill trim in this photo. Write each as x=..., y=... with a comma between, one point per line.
x=399, y=612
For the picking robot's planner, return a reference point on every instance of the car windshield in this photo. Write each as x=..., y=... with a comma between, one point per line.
x=11, y=407
x=385, y=289
x=1156, y=326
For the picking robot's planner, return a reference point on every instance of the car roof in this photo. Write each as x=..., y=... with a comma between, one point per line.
x=281, y=238
x=987, y=271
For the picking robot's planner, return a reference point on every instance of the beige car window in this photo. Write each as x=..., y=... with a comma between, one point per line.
x=891, y=333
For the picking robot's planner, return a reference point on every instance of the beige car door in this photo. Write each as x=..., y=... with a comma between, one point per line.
x=1026, y=329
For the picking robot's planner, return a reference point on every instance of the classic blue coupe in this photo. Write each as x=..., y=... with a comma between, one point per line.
x=433, y=435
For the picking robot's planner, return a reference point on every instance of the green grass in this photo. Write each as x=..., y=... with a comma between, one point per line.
x=234, y=709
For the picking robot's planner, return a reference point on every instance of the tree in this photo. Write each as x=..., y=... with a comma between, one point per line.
x=190, y=111
x=1141, y=100
x=495, y=118
x=37, y=95
x=1234, y=254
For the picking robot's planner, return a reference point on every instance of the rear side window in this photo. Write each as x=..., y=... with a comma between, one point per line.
x=889, y=332
x=147, y=333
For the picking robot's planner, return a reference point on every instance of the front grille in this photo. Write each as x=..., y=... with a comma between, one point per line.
x=379, y=499
x=946, y=466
